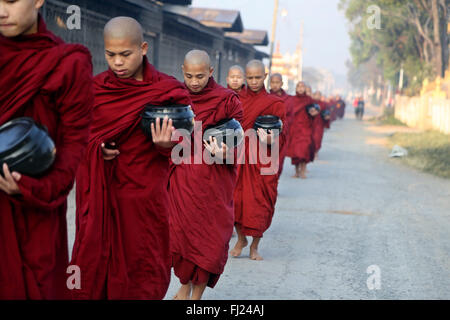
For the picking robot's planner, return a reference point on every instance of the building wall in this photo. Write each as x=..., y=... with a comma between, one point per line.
x=169, y=36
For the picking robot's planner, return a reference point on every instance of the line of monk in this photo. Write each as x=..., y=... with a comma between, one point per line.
x=139, y=215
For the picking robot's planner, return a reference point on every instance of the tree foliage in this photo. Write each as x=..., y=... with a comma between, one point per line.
x=412, y=35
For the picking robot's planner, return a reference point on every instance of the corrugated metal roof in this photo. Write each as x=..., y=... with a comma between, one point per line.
x=254, y=37
x=227, y=20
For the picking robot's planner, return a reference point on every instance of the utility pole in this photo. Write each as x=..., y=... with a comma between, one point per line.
x=300, y=55
x=274, y=28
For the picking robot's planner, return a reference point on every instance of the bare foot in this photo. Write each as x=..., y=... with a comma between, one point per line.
x=254, y=255
x=295, y=176
x=237, y=250
x=303, y=176
x=184, y=293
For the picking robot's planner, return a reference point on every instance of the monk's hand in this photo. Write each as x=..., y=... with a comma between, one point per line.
x=313, y=112
x=8, y=183
x=109, y=154
x=162, y=135
x=265, y=137
x=213, y=147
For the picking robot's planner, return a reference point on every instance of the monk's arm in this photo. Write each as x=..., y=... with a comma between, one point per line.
x=74, y=101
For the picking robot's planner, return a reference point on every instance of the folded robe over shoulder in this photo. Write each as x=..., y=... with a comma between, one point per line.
x=201, y=195
x=122, y=238
x=256, y=193
x=301, y=145
x=51, y=82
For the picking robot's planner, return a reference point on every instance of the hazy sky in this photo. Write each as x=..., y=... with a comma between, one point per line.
x=325, y=41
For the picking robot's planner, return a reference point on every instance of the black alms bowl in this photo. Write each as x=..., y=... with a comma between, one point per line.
x=313, y=106
x=325, y=113
x=228, y=131
x=26, y=147
x=182, y=117
x=268, y=122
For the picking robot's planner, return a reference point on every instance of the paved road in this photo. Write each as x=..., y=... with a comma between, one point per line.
x=358, y=208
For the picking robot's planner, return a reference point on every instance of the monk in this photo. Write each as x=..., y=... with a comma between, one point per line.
x=301, y=144
x=50, y=81
x=256, y=191
x=235, y=79
x=340, y=105
x=202, y=219
x=319, y=124
x=122, y=237
x=276, y=88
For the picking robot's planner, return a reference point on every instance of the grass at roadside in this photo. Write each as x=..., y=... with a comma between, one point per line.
x=428, y=151
x=387, y=119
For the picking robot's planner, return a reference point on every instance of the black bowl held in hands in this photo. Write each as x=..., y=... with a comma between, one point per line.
x=228, y=131
x=26, y=147
x=313, y=106
x=269, y=122
x=325, y=114
x=182, y=117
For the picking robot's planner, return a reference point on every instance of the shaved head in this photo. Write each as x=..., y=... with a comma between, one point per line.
x=256, y=64
x=276, y=75
x=197, y=57
x=124, y=28
x=235, y=78
x=276, y=83
x=236, y=68
x=255, y=74
x=125, y=47
x=197, y=70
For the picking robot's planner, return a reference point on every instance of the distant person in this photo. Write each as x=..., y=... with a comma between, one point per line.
x=340, y=106
x=359, y=111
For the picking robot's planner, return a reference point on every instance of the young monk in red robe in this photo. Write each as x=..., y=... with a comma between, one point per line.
x=51, y=82
x=202, y=219
x=235, y=79
x=256, y=190
x=122, y=238
x=276, y=88
x=301, y=145
x=319, y=123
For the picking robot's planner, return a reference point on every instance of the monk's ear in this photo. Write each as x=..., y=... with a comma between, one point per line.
x=39, y=4
x=211, y=71
x=265, y=76
x=144, y=47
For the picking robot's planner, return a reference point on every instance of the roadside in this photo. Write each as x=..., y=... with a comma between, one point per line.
x=428, y=151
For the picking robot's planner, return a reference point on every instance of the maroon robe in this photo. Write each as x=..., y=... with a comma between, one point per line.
x=301, y=144
x=256, y=194
x=284, y=96
x=201, y=198
x=318, y=127
x=51, y=82
x=122, y=238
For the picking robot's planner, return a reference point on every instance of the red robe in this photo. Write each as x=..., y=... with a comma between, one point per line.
x=301, y=144
x=51, y=82
x=201, y=198
x=318, y=127
x=122, y=238
x=256, y=194
x=334, y=110
x=284, y=96
x=340, y=104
